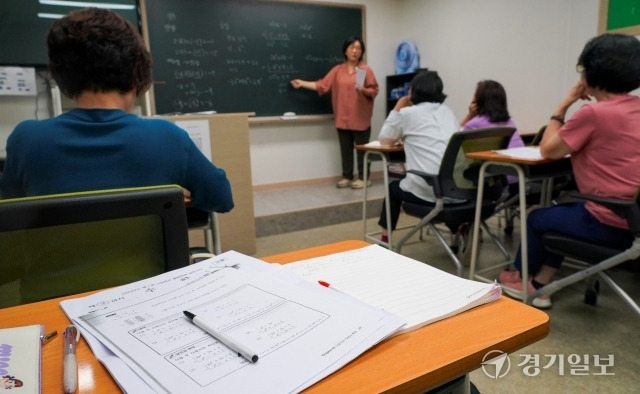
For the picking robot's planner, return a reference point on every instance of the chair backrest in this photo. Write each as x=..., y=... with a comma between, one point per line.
x=633, y=216
x=538, y=137
x=458, y=173
x=63, y=244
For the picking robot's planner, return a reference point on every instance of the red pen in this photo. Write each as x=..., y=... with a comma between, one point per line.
x=329, y=285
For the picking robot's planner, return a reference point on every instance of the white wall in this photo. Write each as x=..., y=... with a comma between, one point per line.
x=530, y=46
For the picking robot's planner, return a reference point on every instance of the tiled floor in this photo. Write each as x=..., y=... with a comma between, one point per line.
x=609, y=328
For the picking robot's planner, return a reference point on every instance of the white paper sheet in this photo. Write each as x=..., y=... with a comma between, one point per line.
x=18, y=81
x=360, y=77
x=410, y=289
x=378, y=144
x=302, y=332
x=198, y=131
x=522, y=152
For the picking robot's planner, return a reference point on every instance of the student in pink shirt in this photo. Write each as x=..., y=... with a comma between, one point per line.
x=603, y=138
x=352, y=106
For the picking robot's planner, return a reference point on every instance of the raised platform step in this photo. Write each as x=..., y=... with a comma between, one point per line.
x=301, y=208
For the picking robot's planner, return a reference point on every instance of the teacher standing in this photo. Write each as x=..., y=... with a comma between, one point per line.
x=352, y=106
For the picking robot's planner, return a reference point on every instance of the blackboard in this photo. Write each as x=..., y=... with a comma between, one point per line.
x=240, y=55
x=619, y=16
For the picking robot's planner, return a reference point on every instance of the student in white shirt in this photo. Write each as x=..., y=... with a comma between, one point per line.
x=424, y=125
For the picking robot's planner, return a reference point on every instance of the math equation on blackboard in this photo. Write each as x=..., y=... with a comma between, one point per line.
x=240, y=56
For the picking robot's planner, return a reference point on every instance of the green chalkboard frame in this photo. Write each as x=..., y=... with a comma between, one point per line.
x=307, y=104
x=611, y=13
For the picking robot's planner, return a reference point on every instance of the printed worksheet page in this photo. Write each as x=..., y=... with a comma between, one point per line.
x=300, y=331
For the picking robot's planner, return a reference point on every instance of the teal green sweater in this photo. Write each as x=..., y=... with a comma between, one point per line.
x=92, y=149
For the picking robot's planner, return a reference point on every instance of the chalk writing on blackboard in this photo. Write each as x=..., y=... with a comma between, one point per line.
x=239, y=56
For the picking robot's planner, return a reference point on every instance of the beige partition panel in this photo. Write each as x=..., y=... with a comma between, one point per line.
x=229, y=135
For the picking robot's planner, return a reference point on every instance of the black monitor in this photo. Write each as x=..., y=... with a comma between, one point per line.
x=24, y=25
x=65, y=244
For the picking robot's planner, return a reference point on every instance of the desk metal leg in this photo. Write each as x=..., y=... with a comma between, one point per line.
x=385, y=174
x=476, y=223
x=208, y=239
x=546, y=192
x=365, y=193
x=466, y=386
x=212, y=234
x=217, y=247
x=523, y=223
x=524, y=249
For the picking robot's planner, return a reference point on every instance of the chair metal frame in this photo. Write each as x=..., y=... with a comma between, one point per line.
x=447, y=183
x=209, y=226
x=588, y=264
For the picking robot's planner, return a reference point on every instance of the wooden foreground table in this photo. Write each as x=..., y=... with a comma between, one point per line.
x=408, y=363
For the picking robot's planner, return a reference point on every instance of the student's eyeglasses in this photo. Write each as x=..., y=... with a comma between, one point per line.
x=579, y=68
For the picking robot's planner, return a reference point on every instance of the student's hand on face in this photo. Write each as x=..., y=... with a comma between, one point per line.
x=404, y=101
x=578, y=92
x=473, y=109
x=583, y=92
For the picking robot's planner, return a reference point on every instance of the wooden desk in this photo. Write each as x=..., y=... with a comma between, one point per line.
x=526, y=169
x=382, y=152
x=408, y=363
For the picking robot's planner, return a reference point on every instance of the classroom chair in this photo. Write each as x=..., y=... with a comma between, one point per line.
x=198, y=219
x=70, y=243
x=457, y=178
x=595, y=261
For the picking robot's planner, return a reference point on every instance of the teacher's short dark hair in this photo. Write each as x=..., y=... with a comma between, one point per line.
x=612, y=62
x=427, y=87
x=350, y=41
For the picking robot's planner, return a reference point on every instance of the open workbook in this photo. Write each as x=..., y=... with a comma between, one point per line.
x=412, y=290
